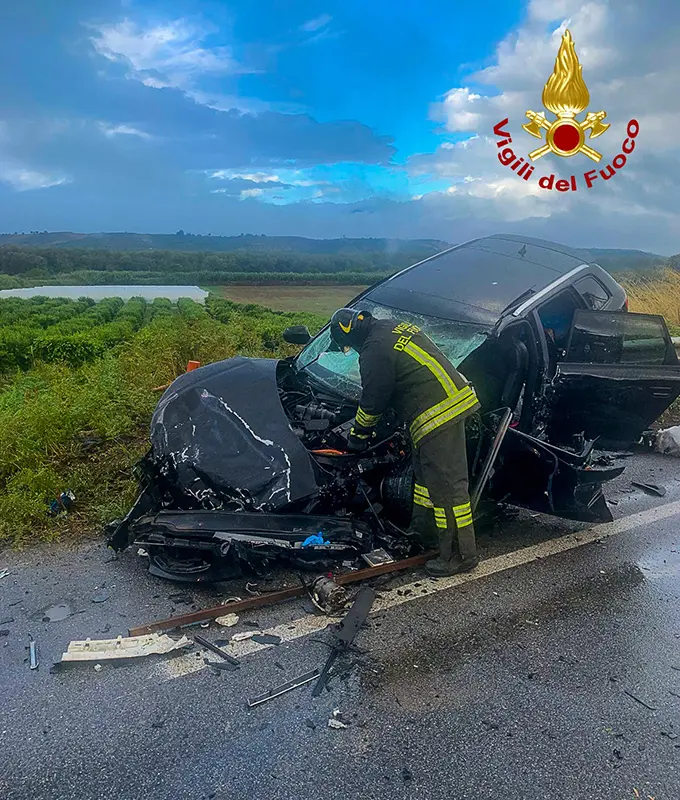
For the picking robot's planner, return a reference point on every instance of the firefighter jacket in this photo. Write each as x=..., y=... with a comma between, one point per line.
x=403, y=369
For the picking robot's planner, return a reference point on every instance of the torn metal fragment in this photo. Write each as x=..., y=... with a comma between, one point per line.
x=122, y=647
x=215, y=649
x=270, y=694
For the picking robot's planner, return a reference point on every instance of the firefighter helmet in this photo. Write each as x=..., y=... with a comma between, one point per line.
x=349, y=328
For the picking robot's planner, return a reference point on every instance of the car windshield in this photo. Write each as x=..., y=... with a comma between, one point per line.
x=340, y=372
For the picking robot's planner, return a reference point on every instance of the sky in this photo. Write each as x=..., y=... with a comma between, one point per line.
x=327, y=119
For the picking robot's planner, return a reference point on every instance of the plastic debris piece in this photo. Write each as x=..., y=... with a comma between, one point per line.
x=62, y=504
x=97, y=667
x=650, y=488
x=668, y=441
x=32, y=653
x=4, y=572
x=57, y=612
x=142, y=552
x=122, y=647
x=314, y=539
x=377, y=557
x=251, y=588
x=101, y=596
x=335, y=723
x=228, y=620
x=242, y=636
x=266, y=638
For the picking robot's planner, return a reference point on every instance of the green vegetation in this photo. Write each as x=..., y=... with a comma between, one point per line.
x=317, y=299
x=76, y=399
x=31, y=266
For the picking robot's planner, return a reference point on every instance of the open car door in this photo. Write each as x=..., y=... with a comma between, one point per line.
x=620, y=372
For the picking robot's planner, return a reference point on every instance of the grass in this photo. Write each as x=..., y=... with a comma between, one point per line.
x=315, y=299
x=83, y=427
x=657, y=295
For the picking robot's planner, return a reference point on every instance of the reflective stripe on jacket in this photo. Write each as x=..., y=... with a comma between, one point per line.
x=403, y=369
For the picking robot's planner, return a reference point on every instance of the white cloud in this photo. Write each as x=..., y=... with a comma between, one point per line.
x=316, y=24
x=629, y=56
x=251, y=193
x=256, y=177
x=109, y=130
x=23, y=179
x=169, y=55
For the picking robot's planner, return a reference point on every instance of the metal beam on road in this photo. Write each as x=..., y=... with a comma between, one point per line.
x=276, y=597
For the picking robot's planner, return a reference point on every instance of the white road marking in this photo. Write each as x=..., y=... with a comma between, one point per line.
x=296, y=629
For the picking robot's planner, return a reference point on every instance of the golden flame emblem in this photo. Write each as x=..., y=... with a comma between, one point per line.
x=566, y=95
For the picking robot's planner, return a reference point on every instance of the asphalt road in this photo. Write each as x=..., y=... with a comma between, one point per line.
x=551, y=672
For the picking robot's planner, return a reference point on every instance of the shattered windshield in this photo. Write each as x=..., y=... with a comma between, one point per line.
x=340, y=372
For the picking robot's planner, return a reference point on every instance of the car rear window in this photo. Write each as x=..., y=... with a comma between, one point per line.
x=617, y=337
x=593, y=292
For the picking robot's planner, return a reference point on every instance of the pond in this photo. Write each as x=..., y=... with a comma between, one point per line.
x=100, y=292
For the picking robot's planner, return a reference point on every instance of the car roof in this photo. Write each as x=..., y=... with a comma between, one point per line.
x=476, y=281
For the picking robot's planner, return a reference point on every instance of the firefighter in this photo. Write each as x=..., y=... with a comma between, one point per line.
x=403, y=369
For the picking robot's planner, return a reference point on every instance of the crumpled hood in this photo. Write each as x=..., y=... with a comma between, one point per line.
x=220, y=433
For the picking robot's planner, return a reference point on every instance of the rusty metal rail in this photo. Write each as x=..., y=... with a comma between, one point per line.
x=271, y=598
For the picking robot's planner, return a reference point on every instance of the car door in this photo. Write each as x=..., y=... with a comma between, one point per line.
x=618, y=374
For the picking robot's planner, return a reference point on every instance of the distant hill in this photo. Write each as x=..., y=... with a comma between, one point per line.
x=614, y=260
x=381, y=253
x=188, y=242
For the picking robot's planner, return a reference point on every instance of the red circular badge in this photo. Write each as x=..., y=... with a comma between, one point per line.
x=566, y=137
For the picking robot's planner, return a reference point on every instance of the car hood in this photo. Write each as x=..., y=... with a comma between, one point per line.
x=220, y=433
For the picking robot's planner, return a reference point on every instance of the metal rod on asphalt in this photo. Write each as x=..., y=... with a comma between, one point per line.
x=276, y=597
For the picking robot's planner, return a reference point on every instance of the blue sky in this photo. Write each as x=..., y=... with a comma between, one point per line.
x=281, y=116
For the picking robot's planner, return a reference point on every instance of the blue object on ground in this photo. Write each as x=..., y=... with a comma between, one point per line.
x=316, y=538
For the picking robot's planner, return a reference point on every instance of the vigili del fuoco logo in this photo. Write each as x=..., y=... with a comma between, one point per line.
x=566, y=96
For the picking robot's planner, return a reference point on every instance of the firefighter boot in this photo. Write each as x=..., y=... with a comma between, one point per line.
x=422, y=528
x=446, y=560
x=449, y=563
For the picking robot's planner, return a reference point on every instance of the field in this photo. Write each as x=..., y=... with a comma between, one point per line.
x=317, y=299
x=76, y=395
x=658, y=296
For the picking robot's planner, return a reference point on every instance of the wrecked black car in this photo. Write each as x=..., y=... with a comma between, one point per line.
x=248, y=461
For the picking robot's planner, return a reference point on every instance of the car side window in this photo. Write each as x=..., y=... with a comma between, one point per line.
x=557, y=315
x=593, y=292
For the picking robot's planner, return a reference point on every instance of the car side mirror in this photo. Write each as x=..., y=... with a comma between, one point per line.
x=297, y=334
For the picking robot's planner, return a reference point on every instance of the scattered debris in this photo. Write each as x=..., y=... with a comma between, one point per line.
x=142, y=552
x=225, y=666
x=62, y=504
x=638, y=700
x=347, y=631
x=377, y=557
x=406, y=775
x=228, y=620
x=32, y=653
x=251, y=588
x=650, y=488
x=56, y=613
x=276, y=597
x=670, y=735
x=266, y=638
x=242, y=636
x=122, y=647
x=310, y=724
x=295, y=683
x=668, y=441
x=4, y=572
x=4, y=632
x=335, y=720
x=327, y=596
x=97, y=667
x=215, y=649
x=101, y=596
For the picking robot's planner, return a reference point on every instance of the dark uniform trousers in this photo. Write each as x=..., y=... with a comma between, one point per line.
x=441, y=497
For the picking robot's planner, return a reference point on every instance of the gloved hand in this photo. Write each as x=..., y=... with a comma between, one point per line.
x=355, y=443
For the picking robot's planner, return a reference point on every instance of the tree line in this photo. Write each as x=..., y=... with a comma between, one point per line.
x=46, y=263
